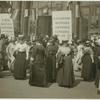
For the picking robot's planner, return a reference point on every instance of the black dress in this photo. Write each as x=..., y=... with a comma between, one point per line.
x=87, y=72
x=65, y=73
x=38, y=67
x=97, y=61
x=51, y=62
x=20, y=64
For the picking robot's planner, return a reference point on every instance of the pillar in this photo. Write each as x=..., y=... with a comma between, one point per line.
x=73, y=20
x=16, y=13
x=77, y=19
x=25, y=17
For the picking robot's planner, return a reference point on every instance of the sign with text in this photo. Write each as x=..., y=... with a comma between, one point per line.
x=62, y=24
x=6, y=25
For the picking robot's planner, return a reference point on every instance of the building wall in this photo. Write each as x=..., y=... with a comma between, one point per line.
x=25, y=20
x=91, y=11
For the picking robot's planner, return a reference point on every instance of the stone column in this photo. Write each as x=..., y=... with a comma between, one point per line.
x=73, y=20
x=77, y=19
x=16, y=13
x=25, y=17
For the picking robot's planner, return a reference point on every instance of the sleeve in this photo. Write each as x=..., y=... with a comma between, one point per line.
x=16, y=47
x=7, y=51
x=27, y=51
x=92, y=54
x=58, y=55
x=91, y=51
x=56, y=49
x=59, y=50
x=34, y=50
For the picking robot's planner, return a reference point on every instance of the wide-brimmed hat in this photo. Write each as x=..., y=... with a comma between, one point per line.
x=87, y=43
x=79, y=41
x=55, y=37
x=64, y=41
x=20, y=36
x=51, y=40
x=3, y=36
x=98, y=42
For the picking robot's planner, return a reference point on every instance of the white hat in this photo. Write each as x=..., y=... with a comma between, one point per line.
x=20, y=36
x=98, y=42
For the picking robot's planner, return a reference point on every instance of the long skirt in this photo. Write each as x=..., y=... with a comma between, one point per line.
x=20, y=66
x=97, y=79
x=65, y=74
x=38, y=75
x=51, y=68
x=77, y=61
x=87, y=68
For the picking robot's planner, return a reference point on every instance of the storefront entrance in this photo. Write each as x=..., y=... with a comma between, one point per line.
x=44, y=25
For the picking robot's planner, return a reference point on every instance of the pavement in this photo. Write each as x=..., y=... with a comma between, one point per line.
x=11, y=88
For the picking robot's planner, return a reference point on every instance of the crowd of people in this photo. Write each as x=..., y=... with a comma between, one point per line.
x=49, y=61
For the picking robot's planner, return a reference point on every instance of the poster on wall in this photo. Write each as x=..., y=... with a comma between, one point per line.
x=62, y=24
x=6, y=25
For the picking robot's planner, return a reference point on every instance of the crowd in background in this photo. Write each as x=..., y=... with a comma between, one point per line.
x=49, y=61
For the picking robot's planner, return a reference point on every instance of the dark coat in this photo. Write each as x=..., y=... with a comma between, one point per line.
x=38, y=69
x=51, y=62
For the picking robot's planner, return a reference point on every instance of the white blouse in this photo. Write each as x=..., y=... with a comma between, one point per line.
x=22, y=48
x=64, y=50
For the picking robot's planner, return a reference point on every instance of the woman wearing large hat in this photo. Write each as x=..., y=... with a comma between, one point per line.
x=87, y=62
x=38, y=65
x=65, y=74
x=21, y=55
x=51, y=49
x=97, y=61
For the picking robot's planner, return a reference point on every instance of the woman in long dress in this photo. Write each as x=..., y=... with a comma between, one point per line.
x=10, y=51
x=21, y=55
x=65, y=75
x=52, y=49
x=97, y=61
x=38, y=73
x=78, y=56
x=87, y=62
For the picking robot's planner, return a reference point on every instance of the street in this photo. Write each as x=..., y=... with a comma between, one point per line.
x=11, y=88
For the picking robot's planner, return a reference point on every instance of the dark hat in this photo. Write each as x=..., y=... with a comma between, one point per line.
x=64, y=41
x=3, y=36
x=98, y=42
x=51, y=40
x=55, y=37
x=87, y=43
x=20, y=36
x=79, y=41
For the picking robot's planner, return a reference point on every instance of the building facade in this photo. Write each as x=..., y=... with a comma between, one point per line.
x=25, y=15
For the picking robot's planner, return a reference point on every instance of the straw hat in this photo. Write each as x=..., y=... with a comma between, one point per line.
x=98, y=42
x=87, y=43
x=64, y=41
x=20, y=36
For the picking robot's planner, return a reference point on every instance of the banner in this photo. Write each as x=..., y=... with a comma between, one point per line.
x=6, y=25
x=62, y=24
